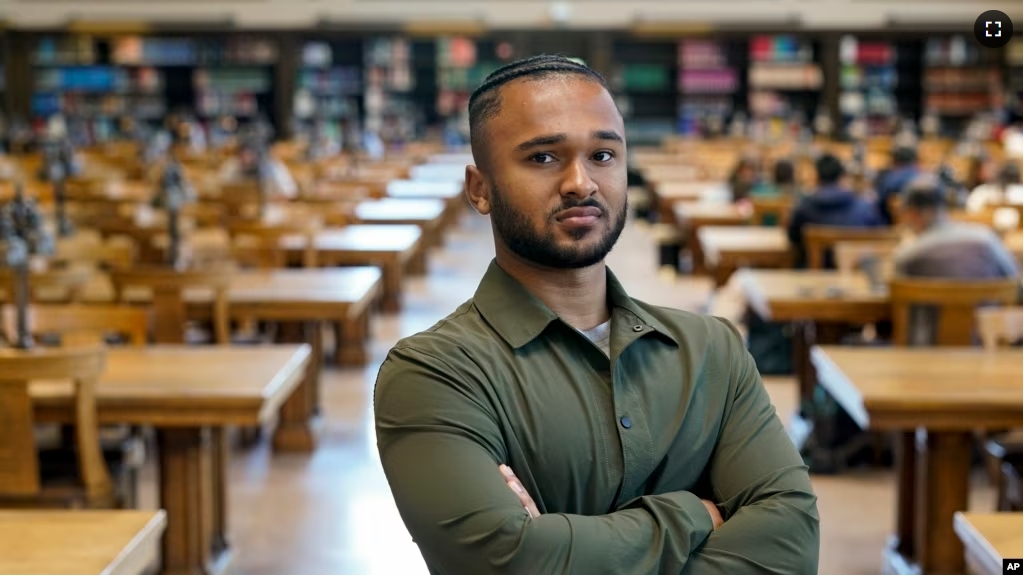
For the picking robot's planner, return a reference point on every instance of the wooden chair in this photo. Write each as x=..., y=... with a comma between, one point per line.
x=260, y=245
x=21, y=484
x=169, y=310
x=123, y=447
x=116, y=253
x=851, y=256
x=955, y=303
x=820, y=240
x=83, y=324
x=776, y=209
x=52, y=285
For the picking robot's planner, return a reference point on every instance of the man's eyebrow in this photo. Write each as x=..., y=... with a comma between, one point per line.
x=542, y=141
x=608, y=135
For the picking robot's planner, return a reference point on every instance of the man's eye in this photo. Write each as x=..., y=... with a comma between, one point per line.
x=542, y=158
x=603, y=156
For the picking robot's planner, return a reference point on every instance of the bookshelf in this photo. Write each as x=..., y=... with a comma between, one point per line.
x=643, y=79
x=709, y=84
x=1013, y=61
x=960, y=79
x=868, y=80
x=783, y=78
x=330, y=81
x=100, y=79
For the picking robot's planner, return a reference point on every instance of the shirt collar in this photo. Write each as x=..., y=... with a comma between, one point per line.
x=519, y=317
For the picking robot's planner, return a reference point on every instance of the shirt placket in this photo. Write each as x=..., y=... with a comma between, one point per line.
x=630, y=420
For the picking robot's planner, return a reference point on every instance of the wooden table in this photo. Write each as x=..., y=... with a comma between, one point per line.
x=988, y=539
x=819, y=305
x=729, y=248
x=342, y=296
x=690, y=217
x=449, y=191
x=189, y=394
x=936, y=398
x=668, y=193
x=79, y=541
x=390, y=247
x=427, y=213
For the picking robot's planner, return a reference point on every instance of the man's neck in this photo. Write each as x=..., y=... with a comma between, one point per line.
x=579, y=296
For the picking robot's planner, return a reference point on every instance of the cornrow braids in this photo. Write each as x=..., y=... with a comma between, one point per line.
x=485, y=102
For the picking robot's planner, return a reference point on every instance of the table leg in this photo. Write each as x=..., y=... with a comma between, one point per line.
x=944, y=464
x=187, y=494
x=900, y=556
x=391, y=275
x=219, y=452
x=295, y=427
x=351, y=348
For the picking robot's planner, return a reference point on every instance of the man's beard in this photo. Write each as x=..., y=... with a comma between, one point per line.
x=516, y=230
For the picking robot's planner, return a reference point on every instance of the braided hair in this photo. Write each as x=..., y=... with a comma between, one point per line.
x=485, y=102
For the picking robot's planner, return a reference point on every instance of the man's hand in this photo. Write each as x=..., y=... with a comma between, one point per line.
x=524, y=497
x=716, y=516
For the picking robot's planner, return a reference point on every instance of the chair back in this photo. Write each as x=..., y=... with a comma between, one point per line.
x=168, y=287
x=19, y=463
x=942, y=312
x=820, y=240
x=82, y=324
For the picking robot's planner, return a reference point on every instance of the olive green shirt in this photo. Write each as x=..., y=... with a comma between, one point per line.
x=616, y=451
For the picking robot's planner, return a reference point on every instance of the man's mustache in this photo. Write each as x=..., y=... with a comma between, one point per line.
x=569, y=202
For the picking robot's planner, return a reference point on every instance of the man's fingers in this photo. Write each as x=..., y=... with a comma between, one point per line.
x=517, y=487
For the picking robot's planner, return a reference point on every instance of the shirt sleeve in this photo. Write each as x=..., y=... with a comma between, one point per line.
x=440, y=445
x=761, y=486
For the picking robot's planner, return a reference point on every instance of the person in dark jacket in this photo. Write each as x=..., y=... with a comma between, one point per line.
x=832, y=204
x=892, y=182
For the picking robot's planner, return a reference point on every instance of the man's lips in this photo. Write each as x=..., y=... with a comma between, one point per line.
x=579, y=212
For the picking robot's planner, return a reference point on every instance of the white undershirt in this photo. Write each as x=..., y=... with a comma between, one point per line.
x=600, y=335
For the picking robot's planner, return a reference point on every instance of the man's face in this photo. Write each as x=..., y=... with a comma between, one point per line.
x=556, y=171
x=915, y=220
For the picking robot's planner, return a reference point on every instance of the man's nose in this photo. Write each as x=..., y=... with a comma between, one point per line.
x=576, y=180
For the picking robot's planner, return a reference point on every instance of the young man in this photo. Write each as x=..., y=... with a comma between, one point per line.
x=552, y=424
x=943, y=248
x=832, y=204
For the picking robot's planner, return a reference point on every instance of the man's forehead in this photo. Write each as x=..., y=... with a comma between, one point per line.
x=563, y=100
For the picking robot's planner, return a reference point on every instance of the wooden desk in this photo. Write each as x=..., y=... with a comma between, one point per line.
x=427, y=213
x=79, y=541
x=390, y=247
x=936, y=398
x=339, y=295
x=668, y=193
x=1014, y=242
x=449, y=191
x=189, y=394
x=819, y=305
x=989, y=539
x=690, y=217
x=729, y=248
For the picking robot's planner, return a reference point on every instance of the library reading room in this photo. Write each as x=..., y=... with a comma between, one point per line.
x=274, y=275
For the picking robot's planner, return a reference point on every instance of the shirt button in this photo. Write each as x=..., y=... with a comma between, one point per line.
x=638, y=328
x=626, y=422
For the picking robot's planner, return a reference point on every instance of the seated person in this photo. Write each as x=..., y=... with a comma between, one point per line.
x=783, y=181
x=832, y=204
x=943, y=248
x=1006, y=189
x=743, y=179
x=246, y=165
x=553, y=424
x=946, y=249
x=891, y=182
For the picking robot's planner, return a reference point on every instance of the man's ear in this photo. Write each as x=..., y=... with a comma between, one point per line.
x=478, y=190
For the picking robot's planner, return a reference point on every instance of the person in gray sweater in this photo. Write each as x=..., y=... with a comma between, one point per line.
x=944, y=248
